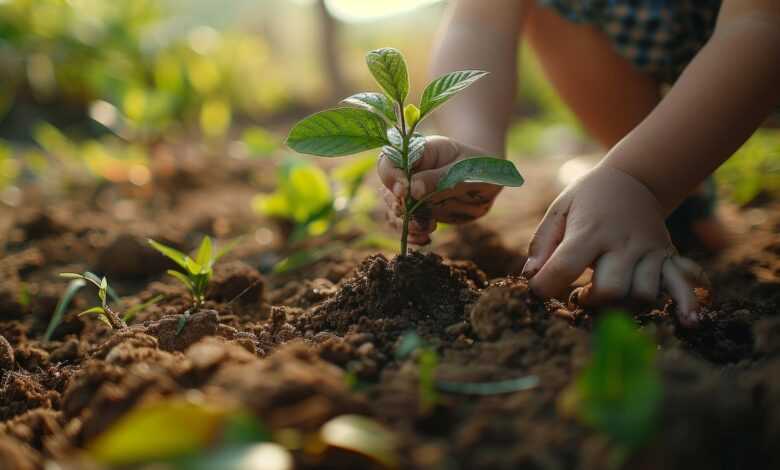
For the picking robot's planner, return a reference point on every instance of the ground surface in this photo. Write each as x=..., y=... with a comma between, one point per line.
x=285, y=346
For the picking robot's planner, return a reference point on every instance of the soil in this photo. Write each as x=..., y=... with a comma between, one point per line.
x=301, y=348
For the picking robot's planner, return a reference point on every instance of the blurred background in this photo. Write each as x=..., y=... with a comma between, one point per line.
x=94, y=91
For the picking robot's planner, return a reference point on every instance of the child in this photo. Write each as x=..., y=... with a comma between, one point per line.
x=608, y=60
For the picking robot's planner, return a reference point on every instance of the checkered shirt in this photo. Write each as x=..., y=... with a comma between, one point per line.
x=659, y=37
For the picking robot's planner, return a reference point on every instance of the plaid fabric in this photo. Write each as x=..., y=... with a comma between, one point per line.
x=660, y=37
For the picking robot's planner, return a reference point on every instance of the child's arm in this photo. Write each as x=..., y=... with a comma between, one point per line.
x=613, y=218
x=479, y=35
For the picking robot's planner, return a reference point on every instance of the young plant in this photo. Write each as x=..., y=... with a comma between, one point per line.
x=198, y=269
x=103, y=311
x=619, y=392
x=386, y=121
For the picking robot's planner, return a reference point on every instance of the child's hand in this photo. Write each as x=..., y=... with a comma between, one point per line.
x=464, y=203
x=611, y=222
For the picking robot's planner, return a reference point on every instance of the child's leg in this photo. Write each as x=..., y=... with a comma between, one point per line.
x=609, y=97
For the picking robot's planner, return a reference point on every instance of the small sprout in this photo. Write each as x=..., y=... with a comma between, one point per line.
x=103, y=312
x=427, y=363
x=384, y=121
x=73, y=287
x=197, y=271
x=619, y=392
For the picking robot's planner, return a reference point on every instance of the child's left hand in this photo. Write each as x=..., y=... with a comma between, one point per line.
x=613, y=223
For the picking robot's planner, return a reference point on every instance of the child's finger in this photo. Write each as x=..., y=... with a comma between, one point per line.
x=682, y=293
x=569, y=260
x=646, y=283
x=611, y=277
x=546, y=238
x=694, y=273
x=393, y=178
x=424, y=182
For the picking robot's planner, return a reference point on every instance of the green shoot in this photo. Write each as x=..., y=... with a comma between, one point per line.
x=619, y=392
x=73, y=287
x=427, y=362
x=385, y=121
x=103, y=312
x=197, y=269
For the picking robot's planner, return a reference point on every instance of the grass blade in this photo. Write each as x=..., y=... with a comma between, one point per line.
x=73, y=287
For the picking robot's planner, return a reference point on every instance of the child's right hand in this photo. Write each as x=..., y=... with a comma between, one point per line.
x=461, y=204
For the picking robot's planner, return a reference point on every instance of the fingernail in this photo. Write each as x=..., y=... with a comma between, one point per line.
x=418, y=189
x=398, y=190
x=529, y=268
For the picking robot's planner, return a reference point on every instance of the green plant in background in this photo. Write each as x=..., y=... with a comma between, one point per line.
x=198, y=269
x=427, y=363
x=754, y=169
x=620, y=390
x=310, y=201
x=384, y=120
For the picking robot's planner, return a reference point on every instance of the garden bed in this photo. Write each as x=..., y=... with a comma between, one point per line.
x=298, y=349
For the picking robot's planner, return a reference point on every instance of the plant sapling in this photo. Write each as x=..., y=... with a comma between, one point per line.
x=103, y=311
x=384, y=120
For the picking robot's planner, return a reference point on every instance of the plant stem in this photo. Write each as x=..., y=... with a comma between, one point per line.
x=408, y=171
x=116, y=321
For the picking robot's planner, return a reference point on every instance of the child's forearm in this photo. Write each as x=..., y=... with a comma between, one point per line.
x=721, y=99
x=480, y=35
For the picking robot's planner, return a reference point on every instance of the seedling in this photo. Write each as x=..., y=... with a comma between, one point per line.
x=383, y=120
x=197, y=269
x=103, y=311
x=78, y=281
x=619, y=392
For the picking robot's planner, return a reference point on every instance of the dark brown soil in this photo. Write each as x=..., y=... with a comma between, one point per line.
x=290, y=348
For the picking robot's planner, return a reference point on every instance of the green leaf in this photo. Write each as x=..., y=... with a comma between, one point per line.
x=416, y=148
x=158, y=430
x=193, y=267
x=389, y=69
x=377, y=103
x=489, y=388
x=363, y=436
x=73, y=287
x=175, y=255
x=351, y=175
x=181, y=277
x=481, y=170
x=100, y=313
x=445, y=87
x=338, y=132
x=94, y=279
x=260, y=142
x=203, y=257
x=71, y=276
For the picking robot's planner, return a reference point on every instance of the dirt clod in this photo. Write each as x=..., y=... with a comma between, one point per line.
x=7, y=360
x=200, y=324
